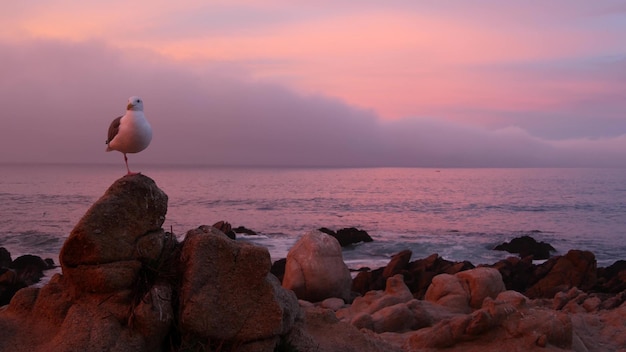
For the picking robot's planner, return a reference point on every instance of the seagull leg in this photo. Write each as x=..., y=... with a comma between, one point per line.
x=127, y=169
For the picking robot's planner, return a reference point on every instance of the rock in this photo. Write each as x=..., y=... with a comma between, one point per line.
x=396, y=318
x=100, y=254
x=122, y=275
x=323, y=332
x=348, y=236
x=417, y=274
x=278, y=268
x=575, y=269
x=226, y=229
x=109, y=296
x=397, y=264
x=517, y=274
x=315, y=269
x=242, y=229
x=447, y=290
x=368, y=280
x=24, y=271
x=5, y=258
x=525, y=246
x=392, y=310
x=497, y=326
x=16, y=274
x=333, y=304
x=481, y=283
x=612, y=279
x=255, y=307
x=9, y=285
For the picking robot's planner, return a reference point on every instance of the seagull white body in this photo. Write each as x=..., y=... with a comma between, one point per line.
x=130, y=133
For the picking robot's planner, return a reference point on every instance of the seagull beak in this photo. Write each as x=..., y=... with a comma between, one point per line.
x=129, y=106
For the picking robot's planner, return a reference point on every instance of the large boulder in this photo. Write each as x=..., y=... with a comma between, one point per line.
x=315, y=269
x=111, y=295
x=104, y=253
x=228, y=293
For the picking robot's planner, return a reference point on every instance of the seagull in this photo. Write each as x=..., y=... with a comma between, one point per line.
x=130, y=133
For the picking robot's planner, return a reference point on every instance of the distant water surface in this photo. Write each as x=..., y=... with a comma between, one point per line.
x=459, y=213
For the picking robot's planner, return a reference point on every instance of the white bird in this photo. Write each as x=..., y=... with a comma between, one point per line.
x=130, y=133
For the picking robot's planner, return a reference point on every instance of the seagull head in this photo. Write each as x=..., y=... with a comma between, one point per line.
x=135, y=103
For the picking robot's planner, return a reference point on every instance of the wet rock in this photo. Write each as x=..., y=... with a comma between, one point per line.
x=242, y=229
x=16, y=274
x=525, y=246
x=348, y=236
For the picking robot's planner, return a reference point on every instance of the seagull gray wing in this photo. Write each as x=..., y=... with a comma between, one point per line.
x=113, y=129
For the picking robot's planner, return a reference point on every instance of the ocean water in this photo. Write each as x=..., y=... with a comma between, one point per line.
x=461, y=214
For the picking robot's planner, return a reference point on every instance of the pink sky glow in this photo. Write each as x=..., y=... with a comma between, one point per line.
x=396, y=83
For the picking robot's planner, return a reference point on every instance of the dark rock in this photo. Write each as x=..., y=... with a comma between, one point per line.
x=278, y=268
x=366, y=281
x=575, y=269
x=29, y=268
x=9, y=285
x=612, y=279
x=242, y=229
x=525, y=246
x=348, y=236
x=24, y=271
x=328, y=231
x=5, y=258
x=226, y=228
x=517, y=274
x=397, y=264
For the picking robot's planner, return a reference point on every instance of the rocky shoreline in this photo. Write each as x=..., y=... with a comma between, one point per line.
x=127, y=285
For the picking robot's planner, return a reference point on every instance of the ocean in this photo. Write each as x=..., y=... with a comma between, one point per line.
x=461, y=214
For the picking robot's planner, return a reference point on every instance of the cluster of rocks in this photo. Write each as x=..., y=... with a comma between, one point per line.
x=16, y=274
x=471, y=309
x=559, y=273
x=127, y=285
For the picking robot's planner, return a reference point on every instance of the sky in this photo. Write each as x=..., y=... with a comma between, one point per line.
x=438, y=83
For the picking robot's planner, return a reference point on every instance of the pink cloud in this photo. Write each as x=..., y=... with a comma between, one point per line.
x=58, y=99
